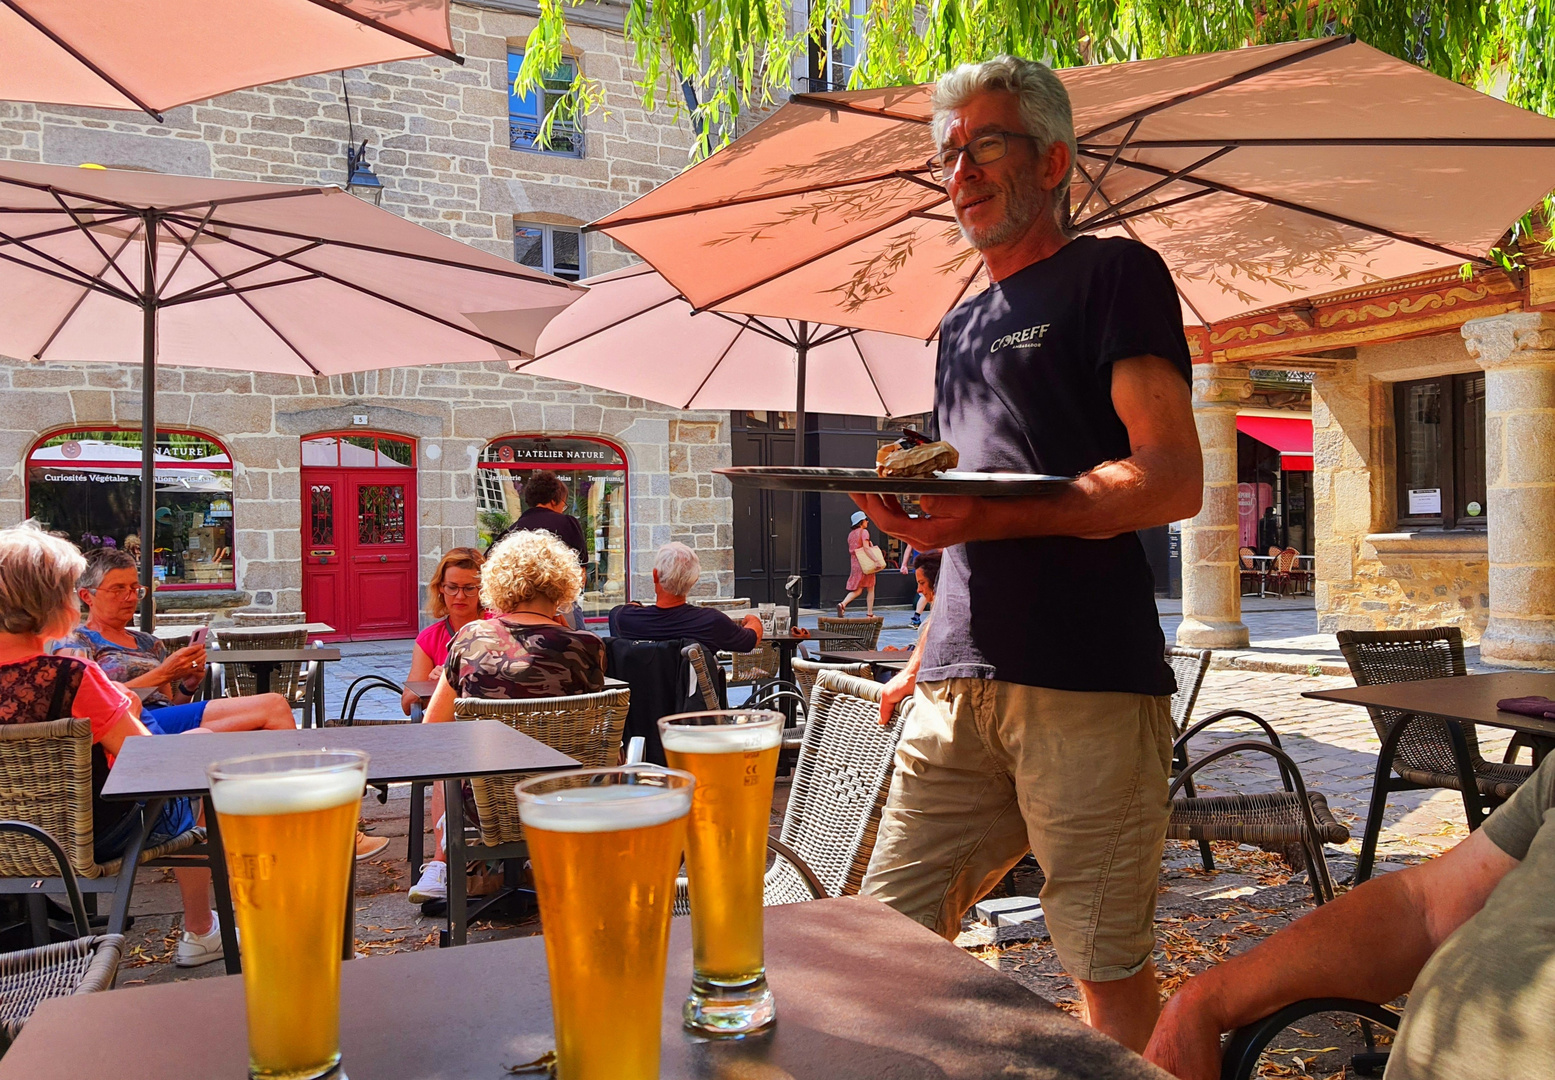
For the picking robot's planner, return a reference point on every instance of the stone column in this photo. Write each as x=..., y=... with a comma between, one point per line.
x=1517, y=351
x=1211, y=582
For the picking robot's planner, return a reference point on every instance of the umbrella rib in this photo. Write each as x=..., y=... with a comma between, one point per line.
x=817, y=102
x=745, y=200
x=189, y=243
x=199, y=292
x=892, y=223
x=719, y=362
x=60, y=326
x=32, y=185
x=81, y=226
x=234, y=290
x=832, y=335
x=1113, y=160
x=1321, y=46
x=77, y=56
x=74, y=279
x=80, y=276
x=1150, y=189
x=865, y=362
x=284, y=340
x=967, y=284
x=364, y=290
x=598, y=330
x=394, y=32
x=1301, y=209
x=538, y=279
x=1103, y=219
x=1339, y=141
x=238, y=200
x=754, y=323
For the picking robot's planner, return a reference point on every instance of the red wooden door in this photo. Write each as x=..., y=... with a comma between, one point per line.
x=359, y=570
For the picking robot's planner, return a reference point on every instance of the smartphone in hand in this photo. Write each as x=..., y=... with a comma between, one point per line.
x=199, y=635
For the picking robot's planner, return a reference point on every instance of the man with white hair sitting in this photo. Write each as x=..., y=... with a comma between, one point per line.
x=676, y=569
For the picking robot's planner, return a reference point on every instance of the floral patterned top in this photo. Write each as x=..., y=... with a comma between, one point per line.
x=506, y=659
x=38, y=688
x=120, y=662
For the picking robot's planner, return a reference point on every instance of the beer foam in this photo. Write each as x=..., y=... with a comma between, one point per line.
x=604, y=808
x=286, y=793
x=720, y=738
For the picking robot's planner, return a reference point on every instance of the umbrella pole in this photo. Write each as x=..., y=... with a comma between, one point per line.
x=795, y=584
x=148, y=428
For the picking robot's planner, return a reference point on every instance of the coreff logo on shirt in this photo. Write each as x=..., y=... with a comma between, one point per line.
x=1029, y=338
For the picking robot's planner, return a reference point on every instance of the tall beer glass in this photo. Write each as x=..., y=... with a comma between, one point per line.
x=605, y=846
x=288, y=825
x=734, y=757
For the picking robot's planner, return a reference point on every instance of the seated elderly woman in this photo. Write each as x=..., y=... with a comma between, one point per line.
x=110, y=588
x=38, y=575
x=527, y=651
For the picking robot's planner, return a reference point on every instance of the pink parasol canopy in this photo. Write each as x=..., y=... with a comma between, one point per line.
x=1262, y=175
x=154, y=54
x=99, y=264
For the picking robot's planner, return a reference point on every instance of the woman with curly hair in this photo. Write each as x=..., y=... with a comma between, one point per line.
x=527, y=651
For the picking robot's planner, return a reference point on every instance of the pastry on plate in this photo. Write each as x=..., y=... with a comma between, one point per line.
x=913, y=456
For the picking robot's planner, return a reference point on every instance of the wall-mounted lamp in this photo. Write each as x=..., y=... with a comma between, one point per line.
x=361, y=180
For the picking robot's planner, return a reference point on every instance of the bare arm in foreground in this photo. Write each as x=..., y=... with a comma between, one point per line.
x=1369, y=944
x=1161, y=480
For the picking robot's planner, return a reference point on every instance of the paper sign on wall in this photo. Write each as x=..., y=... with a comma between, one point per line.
x=1425, y=501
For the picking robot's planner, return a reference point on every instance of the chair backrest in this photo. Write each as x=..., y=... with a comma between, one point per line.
x=807, y=671
x=1274, y=551
x=583, y=726
x=1285, y=560
x=758, y=665
x=46, y=780
x=723, y=603
x=839, y=789
x=240, y=677
x=1247, y=558
x=269, y=618
x=864, y=629
x=696, y=656
x=1188, y=667
x=1377, y=657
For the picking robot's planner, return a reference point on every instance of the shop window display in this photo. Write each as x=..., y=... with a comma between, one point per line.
x=596, y=477
x=85, y=486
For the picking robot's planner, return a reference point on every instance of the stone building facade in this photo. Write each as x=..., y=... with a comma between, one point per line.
x=440, y=139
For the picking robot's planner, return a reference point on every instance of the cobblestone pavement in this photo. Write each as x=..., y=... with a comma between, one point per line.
x=1201, y=916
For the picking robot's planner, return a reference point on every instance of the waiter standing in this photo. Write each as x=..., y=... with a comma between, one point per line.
x=1042, y=715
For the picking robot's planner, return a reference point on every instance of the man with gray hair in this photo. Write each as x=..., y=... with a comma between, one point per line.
x=676, y=569
x=1042, y=715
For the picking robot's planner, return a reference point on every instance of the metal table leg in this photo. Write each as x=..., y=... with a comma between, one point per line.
x=223, y=890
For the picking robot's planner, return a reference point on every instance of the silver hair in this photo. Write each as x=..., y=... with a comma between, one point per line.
x=678, y=568
x=38, y=575
x=1044, y=107
x=103, y=561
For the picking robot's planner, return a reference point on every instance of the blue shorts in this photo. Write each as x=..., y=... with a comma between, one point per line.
x=174, y=719
x=178, y=816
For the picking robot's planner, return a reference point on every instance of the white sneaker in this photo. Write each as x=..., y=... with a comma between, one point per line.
x=433, y=884
x=197, y=949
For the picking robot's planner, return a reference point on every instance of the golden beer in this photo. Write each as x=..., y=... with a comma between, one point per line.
x=288, y=826
x=733, y=756
x=605, y=846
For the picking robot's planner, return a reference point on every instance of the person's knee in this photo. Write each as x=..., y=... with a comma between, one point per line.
x=277, y=712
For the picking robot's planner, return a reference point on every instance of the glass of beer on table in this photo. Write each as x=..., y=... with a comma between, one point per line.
x=288, y=827
x=605, y=846
x=733, y=755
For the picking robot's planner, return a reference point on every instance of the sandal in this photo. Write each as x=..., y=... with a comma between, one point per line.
x=841, y=611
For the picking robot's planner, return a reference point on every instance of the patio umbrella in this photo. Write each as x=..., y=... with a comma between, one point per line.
x=1262, y=175
x=243, y=276
x=635, y=334
x=154, y=54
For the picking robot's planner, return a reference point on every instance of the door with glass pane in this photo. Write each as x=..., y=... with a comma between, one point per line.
x=359, y=535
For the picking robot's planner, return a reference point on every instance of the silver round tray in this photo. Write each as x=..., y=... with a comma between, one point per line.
x=865, y=481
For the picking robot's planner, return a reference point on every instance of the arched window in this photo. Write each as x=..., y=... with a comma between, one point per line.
x=84, y=485
x=596, y=477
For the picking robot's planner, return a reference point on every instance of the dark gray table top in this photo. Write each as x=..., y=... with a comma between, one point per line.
x=863, y=994
x=1469, y=698
x=269, y=656
x=164, y=765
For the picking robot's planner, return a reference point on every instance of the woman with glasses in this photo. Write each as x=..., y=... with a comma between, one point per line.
x=454, y=601
x=167, y=683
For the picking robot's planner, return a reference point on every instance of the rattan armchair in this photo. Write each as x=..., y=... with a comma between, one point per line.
x=583, y=726
x=839, y=790
x=1189, y=666
x=1292, y=820
x=848, y=633
x=1424, y=752
x=84, y=965
x=1250, y=571
x=300, y=684
x=701, y=671
x=46, y=781
x=723, y=603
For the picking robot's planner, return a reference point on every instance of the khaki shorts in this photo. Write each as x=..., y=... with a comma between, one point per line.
x=986, y=770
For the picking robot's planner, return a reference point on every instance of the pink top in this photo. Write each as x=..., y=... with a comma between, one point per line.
x=435, y=638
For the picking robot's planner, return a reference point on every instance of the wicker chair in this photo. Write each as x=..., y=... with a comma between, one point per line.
x=723, y=603
x=839, y=790
x=46, y=781
x=1189, y=666
x=1423, y=751
x=84, y=965
x=806, y=672
x=1300, y=579
x=301, y=684
x=1289, y=821
x=696, y=656
x=246, y=619
x=1239, y=1059
x=848, y=634
x=1251, y=571
x=583, y=726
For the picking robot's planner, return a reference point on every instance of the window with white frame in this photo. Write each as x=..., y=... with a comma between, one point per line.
x=833, y=59
x=527, y=112
x=556, y=249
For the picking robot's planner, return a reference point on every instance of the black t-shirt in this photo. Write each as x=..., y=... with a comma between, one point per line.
x=564, y=527
x=1024, y=384
x=708, y=625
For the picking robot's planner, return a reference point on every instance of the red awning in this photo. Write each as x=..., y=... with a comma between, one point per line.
x=1290, y=435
